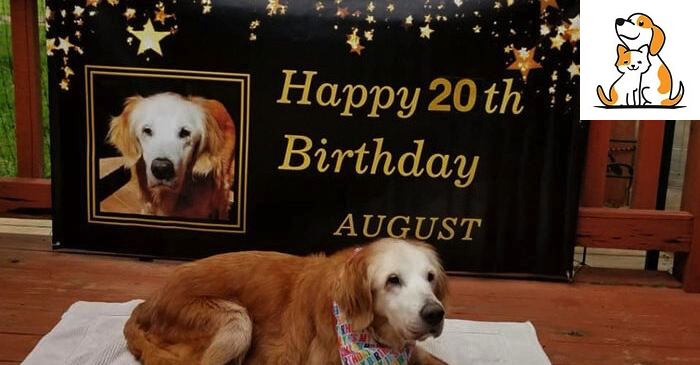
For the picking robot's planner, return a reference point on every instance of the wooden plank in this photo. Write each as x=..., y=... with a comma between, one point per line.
x=16, y=346
x=634, y=229
x=25, y=63
x=25, y=196
x=647, y=164
x=690, y=265
x=593, y=187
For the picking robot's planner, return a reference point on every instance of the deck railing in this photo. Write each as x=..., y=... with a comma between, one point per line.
x=640, y=228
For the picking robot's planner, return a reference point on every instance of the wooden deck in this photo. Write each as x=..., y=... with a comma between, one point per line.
x=605, y=317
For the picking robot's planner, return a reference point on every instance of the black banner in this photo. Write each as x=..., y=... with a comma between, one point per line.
x=190, y=128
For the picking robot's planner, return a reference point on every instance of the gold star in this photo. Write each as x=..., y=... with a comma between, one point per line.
x=64, y=84
x=113, y=2
x=546, y=3
x=508, y=48
x=206, y=9
x=510, y=2
x=254, y=24
x=370, y=7
x=555, y=75
x=274, y=7
x=130, y=13
x=544, y=29
x=319, y=6
x=370, y=19
x=427, y=18
x=92, y=2
x=497, y=5
x=64, y=44
x=425, y=31
x=574, y=70
x=573, y=31
x=390, y=8
x=161, y=16
x=68, y=71
x=78, y=34
x=149, y=38
x=408, y=21
x=342, y=12
x=369, y=35
x=252, y=37
x=458, y=3
x=77, y=11
x=477, y=29
x=354, y=42
x=50, y=46
x=524, y=62
x=557, y=42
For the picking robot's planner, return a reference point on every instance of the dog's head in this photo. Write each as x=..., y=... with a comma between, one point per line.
x=395, y=287
x=639, y=30
x=173, y=135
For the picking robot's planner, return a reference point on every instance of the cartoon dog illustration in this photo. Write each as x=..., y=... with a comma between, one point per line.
x=657, y=84
x=632, y=64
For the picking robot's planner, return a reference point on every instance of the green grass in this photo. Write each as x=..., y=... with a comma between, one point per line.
x=8, y=148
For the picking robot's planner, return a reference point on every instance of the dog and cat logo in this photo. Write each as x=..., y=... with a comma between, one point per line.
x=646, y=80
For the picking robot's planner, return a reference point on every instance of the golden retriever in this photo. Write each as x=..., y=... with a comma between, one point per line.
x=181, y=151
x=270, y=308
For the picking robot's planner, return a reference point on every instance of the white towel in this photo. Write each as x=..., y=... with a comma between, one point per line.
x=91, y=333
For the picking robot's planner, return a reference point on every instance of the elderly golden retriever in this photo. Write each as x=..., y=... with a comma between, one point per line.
x=271, y=308
x=181, y=151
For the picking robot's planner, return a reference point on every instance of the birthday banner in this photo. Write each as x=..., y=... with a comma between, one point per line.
x=188, y=128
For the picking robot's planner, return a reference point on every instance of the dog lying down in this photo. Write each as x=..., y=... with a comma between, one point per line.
x=265, y=308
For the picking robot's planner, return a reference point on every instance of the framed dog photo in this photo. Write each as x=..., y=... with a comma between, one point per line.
x=166, y=148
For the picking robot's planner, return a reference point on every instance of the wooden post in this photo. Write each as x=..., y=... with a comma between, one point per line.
x=25, y=53
x=646, y=165
x=689, y=264
x=593, y=189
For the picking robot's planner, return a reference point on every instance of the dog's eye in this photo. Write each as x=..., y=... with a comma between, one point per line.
x=184, y=133
x=147, y=131
x=393, y=280
x=431, y=277
x=641, y=24
x=639, y=62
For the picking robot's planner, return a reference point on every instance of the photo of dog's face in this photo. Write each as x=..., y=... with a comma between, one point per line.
x=401, y=295
x=167, y=128
x=181, y=152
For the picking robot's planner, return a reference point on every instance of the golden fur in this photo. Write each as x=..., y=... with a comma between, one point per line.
x=281, y=304
x=206, y=188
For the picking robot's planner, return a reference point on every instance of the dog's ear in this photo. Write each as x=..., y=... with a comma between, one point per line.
x=353, y=292
x=122, y=136
x=218, y=140
x=621, y=50
x=657, y=40
x=440, y=287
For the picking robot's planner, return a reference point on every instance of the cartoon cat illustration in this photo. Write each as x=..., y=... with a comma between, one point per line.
x=632, y=64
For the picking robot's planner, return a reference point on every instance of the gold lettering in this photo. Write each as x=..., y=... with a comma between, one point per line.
x=507, y=95
x=469, y=175
x=288, y=85
x=448, y=228
x=377, y=96
x=415, y=171
x=365, y=227
x=419, y=224
x=404, y=230
x=403, y=103
x=471, y=221
x=349, y=100
x=333, y=100
x=444, y=172
x=291, y=139
x=378, y=154
x=489, y=99
x=348, y=224
x=340, y=156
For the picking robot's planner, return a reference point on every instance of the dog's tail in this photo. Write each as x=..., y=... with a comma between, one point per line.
x=140, y=343
x=604, y=99
x=675, y=100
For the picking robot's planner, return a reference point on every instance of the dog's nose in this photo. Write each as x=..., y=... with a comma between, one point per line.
x=432, y=314
x=619, y=21
x=163, y=169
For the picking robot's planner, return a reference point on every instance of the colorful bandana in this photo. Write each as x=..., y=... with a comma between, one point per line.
x=359, y=348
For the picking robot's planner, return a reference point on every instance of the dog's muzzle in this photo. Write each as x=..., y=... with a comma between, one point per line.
x=432, y=314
